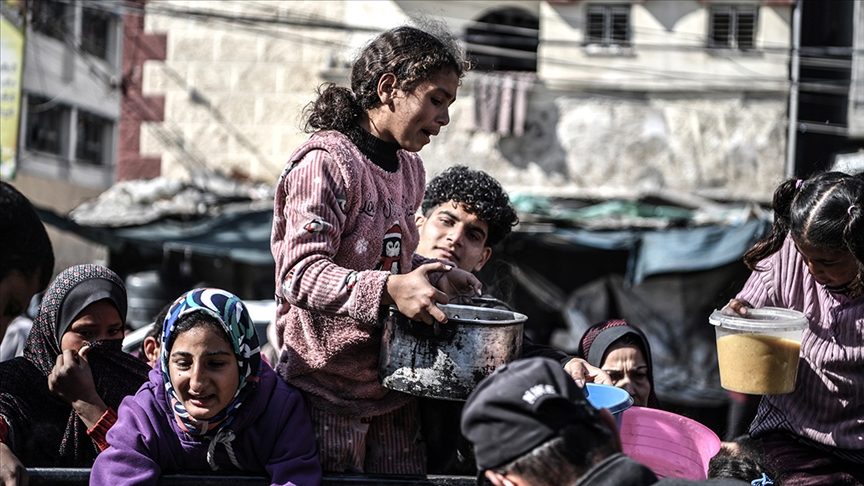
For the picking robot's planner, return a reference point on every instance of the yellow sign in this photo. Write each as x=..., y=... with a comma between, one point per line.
x=11, y=70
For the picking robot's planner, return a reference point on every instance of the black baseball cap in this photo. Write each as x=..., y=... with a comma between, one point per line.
x=519, y=407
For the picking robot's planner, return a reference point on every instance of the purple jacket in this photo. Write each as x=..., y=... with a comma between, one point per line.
x=273, y=437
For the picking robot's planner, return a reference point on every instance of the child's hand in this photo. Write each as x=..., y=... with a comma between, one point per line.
x=414, y=296
x=12, y=472
x=72, y=381
x=459, y=283
x=737, y=306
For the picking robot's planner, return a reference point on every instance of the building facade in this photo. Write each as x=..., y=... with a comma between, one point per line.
x=71, y=92
x=70, y=110
x=577, y=98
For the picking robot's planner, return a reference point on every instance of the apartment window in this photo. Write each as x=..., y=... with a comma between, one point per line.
x=45, y=125
x=93, y=138
x=504, y=40
x=733, y=27
x=608, y=25
x=94, y=31
x=49, y=18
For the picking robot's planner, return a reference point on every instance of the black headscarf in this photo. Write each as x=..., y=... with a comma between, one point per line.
x=44, y=430
x=597, y=340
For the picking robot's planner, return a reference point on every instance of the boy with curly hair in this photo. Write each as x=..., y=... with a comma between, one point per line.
x=465, y=213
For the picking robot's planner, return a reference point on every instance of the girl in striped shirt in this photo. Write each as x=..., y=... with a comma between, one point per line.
x=813, y=262
x=344, y=239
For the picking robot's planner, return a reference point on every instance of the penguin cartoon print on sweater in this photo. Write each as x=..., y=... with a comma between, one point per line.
x=316, y=226
x=391, y=250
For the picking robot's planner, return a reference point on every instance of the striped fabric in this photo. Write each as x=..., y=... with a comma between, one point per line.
x=341, y=226
x=386, y=444
x=827, y=406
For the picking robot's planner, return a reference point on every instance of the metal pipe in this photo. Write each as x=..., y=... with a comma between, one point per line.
x=795, y=67
x=51, y=476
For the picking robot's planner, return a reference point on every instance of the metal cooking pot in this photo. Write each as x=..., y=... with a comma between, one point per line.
x=448, y=360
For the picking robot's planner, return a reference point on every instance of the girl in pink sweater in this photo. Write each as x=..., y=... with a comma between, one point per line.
x=344, y=240
x=813, y=262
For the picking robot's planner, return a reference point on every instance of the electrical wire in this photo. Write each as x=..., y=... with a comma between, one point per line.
x=284, y=17
x=263, y=25
x=253, y=23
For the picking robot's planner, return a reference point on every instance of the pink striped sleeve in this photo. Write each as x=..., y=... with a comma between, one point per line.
x=778, y=282
x=761, y=288
x=311, y=225
x=758, y=289
x=781, y=281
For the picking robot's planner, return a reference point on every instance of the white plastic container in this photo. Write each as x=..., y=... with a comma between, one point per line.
x=758, y=354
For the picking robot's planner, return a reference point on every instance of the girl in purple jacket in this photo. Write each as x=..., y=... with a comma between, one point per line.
x=189, y=417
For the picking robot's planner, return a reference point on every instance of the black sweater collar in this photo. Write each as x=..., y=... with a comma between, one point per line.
x=381, y=153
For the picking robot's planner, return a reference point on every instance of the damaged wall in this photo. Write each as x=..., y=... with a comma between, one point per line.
x=727, y=146
x=663, y=113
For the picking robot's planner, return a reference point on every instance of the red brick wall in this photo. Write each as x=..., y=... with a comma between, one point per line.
x=135, y=107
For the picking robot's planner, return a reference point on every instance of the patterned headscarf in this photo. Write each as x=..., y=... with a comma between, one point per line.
x=229, y=310
x=47, y=431
x=597, y=340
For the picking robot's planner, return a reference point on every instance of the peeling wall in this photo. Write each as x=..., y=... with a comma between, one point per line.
x=596, y=126
x=578, y=144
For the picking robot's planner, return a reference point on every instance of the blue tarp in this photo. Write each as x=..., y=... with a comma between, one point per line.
x=243, y=237
x=672, y=250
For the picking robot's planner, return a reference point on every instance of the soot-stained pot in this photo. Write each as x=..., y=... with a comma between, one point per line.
x=448, y=360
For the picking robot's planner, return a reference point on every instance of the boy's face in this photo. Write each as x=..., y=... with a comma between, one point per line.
x=449, y=232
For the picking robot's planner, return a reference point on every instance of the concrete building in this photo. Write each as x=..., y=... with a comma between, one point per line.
x=620, y=96
x=70, y=111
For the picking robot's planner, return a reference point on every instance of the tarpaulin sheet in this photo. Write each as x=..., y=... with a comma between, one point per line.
x=243, y=237
x=654, y=252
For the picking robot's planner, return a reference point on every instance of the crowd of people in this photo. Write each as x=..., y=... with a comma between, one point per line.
x=356, y=230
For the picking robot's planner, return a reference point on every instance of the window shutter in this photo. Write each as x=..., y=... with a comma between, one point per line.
x=733, y=27
x=94, y=32
x=607, y=25
x=620, y=26
x=746, y=29
x=596, y=25
x=44, y=123
x=721, y=27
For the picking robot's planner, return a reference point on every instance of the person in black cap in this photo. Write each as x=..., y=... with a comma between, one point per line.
x=531, y=425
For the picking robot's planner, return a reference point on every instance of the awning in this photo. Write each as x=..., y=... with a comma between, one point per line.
x=242, y=236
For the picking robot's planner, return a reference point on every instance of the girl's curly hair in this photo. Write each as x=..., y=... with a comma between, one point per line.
x=412, y=54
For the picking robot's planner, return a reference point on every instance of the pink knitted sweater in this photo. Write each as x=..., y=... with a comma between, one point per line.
x=341, y=225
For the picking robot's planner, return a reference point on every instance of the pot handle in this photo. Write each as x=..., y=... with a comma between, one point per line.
x=437, y=331
x=491, y=302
